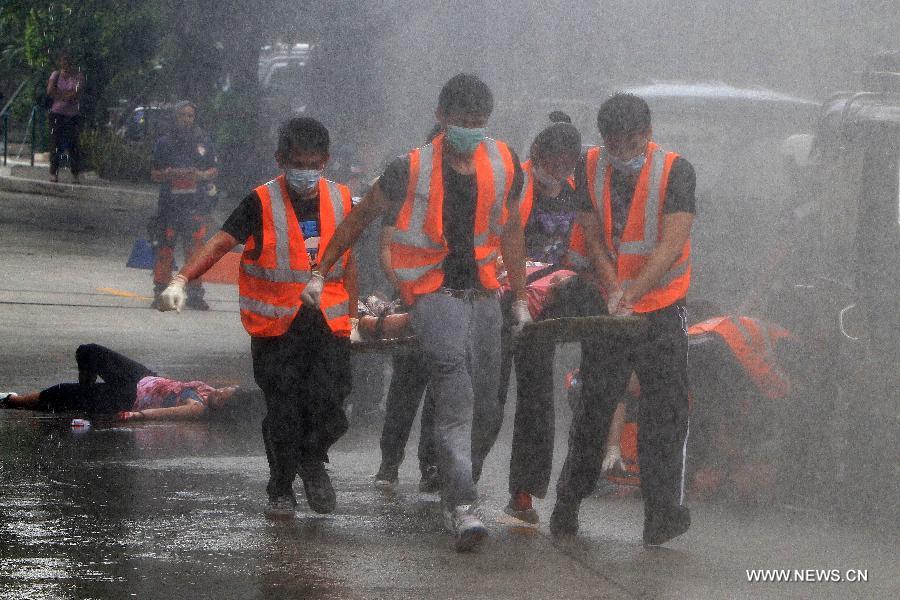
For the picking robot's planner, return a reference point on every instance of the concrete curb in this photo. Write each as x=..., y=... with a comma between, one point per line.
x=94, y=193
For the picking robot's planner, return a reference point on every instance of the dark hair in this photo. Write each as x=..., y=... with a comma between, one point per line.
x=558, y=116
x=302, y=133
x=559, y=139
x=433, y=133
x=623, y=114
x=242, y=406
x=466, y=94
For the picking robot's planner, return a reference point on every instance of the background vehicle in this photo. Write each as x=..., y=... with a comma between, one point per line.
x=840, y=287
x=283, y=82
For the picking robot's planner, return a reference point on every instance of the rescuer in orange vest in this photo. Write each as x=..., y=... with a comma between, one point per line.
x=637, y=207
x=447, y=208
x=301, y=352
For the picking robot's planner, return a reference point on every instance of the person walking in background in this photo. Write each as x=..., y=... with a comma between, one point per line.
x=185, y=163
x=65, y=88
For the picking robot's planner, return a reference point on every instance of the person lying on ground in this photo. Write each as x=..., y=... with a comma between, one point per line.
x=129, y=389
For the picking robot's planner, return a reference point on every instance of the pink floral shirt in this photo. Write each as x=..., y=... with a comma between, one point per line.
x=159, y=392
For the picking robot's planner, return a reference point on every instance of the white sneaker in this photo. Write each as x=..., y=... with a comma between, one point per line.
x=464, y=521
x=4, y=396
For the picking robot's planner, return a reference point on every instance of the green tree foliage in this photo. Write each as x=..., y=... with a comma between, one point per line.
x=107, y=40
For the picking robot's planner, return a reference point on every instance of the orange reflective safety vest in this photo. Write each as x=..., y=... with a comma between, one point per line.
x=642, y=227
x=526, y=201
x=752, y=341
x=418, y=247
x=270, y=285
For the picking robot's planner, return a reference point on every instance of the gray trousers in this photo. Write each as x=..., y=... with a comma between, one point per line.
x=460, y=341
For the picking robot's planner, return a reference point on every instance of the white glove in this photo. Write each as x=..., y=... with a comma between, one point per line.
x=612, y=459
x=174, y=296
x=354, y=330
x=312, y=293
x=615, y=306
x=521, y=316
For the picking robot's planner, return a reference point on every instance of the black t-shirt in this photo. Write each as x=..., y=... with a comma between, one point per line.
x=246, y=221
x=679, y=193
x=460, y=199
x=549, y=226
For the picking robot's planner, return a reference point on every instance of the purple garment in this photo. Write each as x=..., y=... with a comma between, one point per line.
x=66, y=83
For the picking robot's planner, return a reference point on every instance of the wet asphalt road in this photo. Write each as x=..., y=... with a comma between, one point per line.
x=172, y=510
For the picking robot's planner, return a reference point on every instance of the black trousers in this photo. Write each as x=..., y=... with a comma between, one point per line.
x=64, y=133
x=531, y=459
x=408, y=383
x=661, y=367
x=304, y=375
x=120, y=376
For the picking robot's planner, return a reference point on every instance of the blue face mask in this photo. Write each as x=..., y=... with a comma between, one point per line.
x=632, y=165
x=465, y=139
x=302, y=180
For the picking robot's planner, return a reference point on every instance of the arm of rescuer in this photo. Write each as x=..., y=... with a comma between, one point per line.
x=676, y=229
x=373, y=204
x=597, y=255
x=351, y=284
x=174, y=296
x=384, y=255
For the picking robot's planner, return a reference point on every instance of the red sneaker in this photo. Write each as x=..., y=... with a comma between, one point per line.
x=520, y=507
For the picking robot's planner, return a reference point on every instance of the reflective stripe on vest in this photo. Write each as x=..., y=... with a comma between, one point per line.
x=418, y=244
x=415, y=235
x=270, y=295
x=652, y=210
x=628, y=256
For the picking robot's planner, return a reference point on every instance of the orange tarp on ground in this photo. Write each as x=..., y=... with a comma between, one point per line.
x=224, y=271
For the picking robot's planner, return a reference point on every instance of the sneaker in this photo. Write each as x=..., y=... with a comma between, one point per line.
x=520, y=508
x=431, y=480
x=319, y=492
x=658, y=531
x=386, y=478
x=281, y=507
x=196, y=303
x=465, y=523
x=564, y=520
x=4, y=399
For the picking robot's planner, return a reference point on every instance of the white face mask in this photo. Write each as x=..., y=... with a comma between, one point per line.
x=302, y=180
x=551, y=184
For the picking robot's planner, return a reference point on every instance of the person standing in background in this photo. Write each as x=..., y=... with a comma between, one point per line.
x=65, y=87
x=185, y=163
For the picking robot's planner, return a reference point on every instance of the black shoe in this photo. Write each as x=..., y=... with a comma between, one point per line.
x=431, y=480
x=564, y=520
x=661, y=529
x=317, y=485
x=196, y=303
x=386, y=477
x=281, y=507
